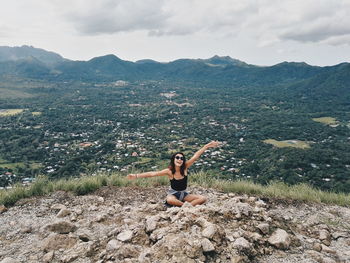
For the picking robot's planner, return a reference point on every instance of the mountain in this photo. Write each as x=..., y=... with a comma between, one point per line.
x=28, y=52
x=30, y=62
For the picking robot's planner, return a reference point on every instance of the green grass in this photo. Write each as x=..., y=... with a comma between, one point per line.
x=326, y=120
x=10, y=112
x=288, y=143
x=84, y=185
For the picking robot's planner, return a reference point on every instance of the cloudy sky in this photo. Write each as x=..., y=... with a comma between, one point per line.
x=261, y=32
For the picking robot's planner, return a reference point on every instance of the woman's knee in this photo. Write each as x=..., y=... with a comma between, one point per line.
x=203, y=199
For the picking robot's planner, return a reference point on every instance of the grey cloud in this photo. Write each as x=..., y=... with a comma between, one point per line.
x=118, y=16
x=267, y=21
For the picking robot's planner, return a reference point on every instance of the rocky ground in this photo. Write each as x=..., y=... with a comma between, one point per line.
x=133, y=225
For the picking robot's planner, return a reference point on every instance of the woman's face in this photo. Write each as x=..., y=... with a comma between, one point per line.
x=179, y=159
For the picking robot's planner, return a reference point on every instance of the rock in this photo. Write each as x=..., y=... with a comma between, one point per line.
x=241, y=244
x=64, y=212
x=58, y=241
x=79, y=211
x=125, y=236
x=209, y=231
x=48, y=257
x=327, y=249
x=100, y=200
x=207, y=245
x=280, y=239
x=3, y=209
x=151, y=223
x=26, y=229
x=58, y=207
x=84, y=235
x=243, y=209
x=325, y=237
x=328, y=260
x=9, y=260
x=81, y=250
x=237, y=259
x=144, y=256
x=264, y=228
x=100, y=218
x=113, y=245
x=339, y=234
x=62, y=227
x=260, y=203
x=317, y=247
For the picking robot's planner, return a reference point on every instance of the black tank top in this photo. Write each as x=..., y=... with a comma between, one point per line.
x=179, y=185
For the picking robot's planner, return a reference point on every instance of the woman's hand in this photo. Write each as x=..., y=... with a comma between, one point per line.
x=212, y=144
x=132, y=176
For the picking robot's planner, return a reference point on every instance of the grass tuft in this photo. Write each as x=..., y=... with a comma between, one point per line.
x=89, y=184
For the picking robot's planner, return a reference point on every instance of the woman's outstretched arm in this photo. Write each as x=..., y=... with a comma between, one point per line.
x=149, y=174
x=196, y=156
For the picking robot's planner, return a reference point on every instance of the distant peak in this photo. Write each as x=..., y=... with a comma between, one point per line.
x=224, y=61
x=109, y=57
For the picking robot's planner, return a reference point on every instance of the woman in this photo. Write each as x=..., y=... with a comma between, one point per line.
x=177, y=173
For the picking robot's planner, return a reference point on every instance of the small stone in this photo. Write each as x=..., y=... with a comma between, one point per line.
x=327, y=249
x=64, y=212
x=237, y=259
x=113, y=245
x=48, y=257
x=324, y=235
x=207, y=245
x=317, y=247
x=79, y=211
x=209, y=231
x=125, y=236
x=241, y=244
x=151, y=223
x=244, y=209
x=264, y=228
x=58, y=207
x=26, y=230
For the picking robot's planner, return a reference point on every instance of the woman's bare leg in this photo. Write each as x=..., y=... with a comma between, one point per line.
x=172, y=200
x=195, y=199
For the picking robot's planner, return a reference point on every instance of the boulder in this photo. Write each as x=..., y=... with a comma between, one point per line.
x=280, y=239
x=62, y=227
x=58, y=241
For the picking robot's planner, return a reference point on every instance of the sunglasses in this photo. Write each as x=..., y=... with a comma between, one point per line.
x=179, y=158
